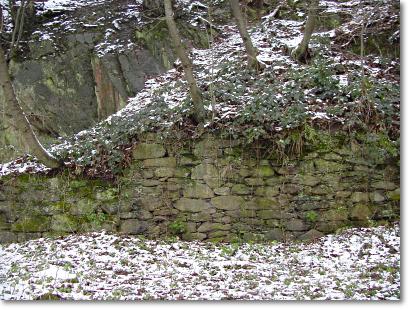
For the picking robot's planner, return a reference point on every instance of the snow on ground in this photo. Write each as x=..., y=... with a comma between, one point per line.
x=358, y=264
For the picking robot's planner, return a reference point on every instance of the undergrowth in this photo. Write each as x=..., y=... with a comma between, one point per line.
x=286, y=109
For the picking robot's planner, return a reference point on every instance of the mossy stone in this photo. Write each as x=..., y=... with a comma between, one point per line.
x=198, y=190
x=192, y=205
x=107, y=195
x=263, y=171
x=148, y=150
x=209, y=226
x=241, y=189
x=64, y=223
x=266, y=203
x=169, y=162
x=164, y=172
x=361, y=212
x=269, y=214
x=35, y=223
x=335, y=215
x=228, y=202
x=308, y=180
x=254, y=181
x=329, y=166
x=360, y=197
x=394, y=195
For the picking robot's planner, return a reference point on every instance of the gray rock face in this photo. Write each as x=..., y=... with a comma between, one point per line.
x=133, y=227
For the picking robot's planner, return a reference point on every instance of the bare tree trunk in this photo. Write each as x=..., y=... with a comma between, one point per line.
x=251, y=51
x=199, y=110
x=300, y=53
x=20, y=120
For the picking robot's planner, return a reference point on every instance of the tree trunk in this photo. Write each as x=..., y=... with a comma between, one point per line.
x=300, y=53
x=251, y=51
x=20, y=120
x=199, y=111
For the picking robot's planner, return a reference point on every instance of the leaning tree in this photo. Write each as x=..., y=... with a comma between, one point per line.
x=199, y=110
x=300, y=53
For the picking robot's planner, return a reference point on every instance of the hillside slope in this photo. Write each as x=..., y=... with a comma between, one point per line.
x=338, y=90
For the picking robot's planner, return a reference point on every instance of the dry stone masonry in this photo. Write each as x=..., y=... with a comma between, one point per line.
x=211, y=189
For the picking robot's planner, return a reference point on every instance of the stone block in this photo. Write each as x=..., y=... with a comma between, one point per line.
x=193, y=236
x=199, y=217
x=241, y=189
x=198, y=190
x=377, y=197
x=64, y=223
x=128, y=215
x=308, y=180
x=34, y=223
x=386, y=185
x=360, y=197
x=265, y=204
x=361, y=212
x=254, y=181
x=208, y=226
x=85, y=206
x=133, y=227
x=245, y=213
x=311, y=235
x=207, y=148
x=188, y=160
x=263, y=171
x=343, y=194
x=325, y=166
x=107, y=195
x=182, y=172
x=245, y=172
x=335, y=214
x=332, y=157
x=287, y=170
x=321, y=190
x=204, y=171
x=192, y=205
x=330, y=226
x=269, y=214
x=144, y=215
x=275, y=234
x=222, y=191
x=267, y=191
x=169, y=162
x=164, y=172
x=228, y=202
x=7, y=237
x=296, y=225
x=290, y=189
x=4, y=222
x=148, y=150
x=150, y=182
x=394, y=195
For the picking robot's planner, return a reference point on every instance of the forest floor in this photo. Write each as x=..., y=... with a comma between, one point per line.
x=356, y=264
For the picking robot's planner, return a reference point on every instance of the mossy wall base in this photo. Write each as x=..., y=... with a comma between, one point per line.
x=211, y=189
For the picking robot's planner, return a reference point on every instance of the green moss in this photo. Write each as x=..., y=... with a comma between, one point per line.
x=64, y=223
x=264, y=171
x=311, y=216
x=178, y=227
x=394, y=195
x=78, y=184
x=62, y=206
x=35, y=223
x=156, y=38
x=109, y=194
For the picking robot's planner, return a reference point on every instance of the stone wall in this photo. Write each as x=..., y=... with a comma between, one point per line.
x=211, y=189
